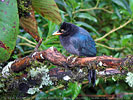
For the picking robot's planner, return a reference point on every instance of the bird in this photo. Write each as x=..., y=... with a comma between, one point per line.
x=77, y=41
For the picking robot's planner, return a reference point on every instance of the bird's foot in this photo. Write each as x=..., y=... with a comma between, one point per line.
x=72, y=58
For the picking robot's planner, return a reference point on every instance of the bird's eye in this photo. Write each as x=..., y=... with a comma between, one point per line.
x=62, y=30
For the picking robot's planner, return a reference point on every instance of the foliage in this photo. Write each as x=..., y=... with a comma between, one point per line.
x=70, y=93
x=109, y=23
x=9, y=24
x=9, y=21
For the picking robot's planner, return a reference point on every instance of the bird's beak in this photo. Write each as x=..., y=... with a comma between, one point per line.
x=57, y=33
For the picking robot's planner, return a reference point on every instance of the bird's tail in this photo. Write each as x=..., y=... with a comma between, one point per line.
x=92, y=76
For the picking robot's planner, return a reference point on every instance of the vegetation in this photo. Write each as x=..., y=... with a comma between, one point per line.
x=109, y=23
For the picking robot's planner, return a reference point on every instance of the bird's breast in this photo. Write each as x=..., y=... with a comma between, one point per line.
x=65, y=42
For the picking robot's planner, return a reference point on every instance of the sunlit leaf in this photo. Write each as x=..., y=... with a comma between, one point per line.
x=48, y=9
x=9, y=24
x=126, y=39
x=75, y=87
x=131, y=6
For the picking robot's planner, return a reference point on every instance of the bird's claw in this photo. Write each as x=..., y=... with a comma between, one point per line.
x=69, y=58
x=72, y=57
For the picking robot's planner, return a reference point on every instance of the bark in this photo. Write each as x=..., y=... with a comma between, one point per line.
x=56, y=58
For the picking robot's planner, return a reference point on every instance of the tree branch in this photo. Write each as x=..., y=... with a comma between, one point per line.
x=56, y=58
x=66, y=70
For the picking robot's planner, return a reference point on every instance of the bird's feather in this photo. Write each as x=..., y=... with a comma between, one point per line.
x=83, y=42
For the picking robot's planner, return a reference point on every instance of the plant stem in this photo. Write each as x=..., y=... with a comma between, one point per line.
x=113, y=30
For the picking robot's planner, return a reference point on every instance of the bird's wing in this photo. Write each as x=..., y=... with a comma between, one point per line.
x=85, y=44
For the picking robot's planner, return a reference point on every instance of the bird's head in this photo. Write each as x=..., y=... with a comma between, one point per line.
x=66, y=29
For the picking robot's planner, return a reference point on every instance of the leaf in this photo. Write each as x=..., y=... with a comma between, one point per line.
x=87, y=26
x=41, y=96
x=48, y=9
x=131, y=6
x=125, y=40
x=73, y=3
x=76, y=87
x=52, y=27
x=120, y=3
x=72, y=90
x=109, y=89
x=127, y=6
x=9, y=24
x=30, y=25
x=97, y=81
x=68, y=8
x=67, y=92
x=87, y=16
x=117, y=11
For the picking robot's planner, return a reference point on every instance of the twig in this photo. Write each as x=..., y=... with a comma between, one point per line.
x=95, y=8
x=27, y=44
x=113, y=30
x=97, y=3
x=109, y=47
x=38, y=45
x=26, y=39
x=55, y=88
x=113, y=96
x=26, y=52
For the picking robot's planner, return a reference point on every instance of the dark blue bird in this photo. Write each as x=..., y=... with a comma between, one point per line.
x=77, y=41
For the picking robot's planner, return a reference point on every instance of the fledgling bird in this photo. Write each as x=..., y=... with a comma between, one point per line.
x=77, y=41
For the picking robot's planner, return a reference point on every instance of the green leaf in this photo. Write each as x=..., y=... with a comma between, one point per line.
x=9, y=24
x=87, y=16
x=119, y=88
x=48, y=9
x=97, y=81
x=68, y=8
x=72, y=90
x=52, y=27
x=41, y=96
x=67, y=93
x=131, y=6
x=87, y=26
x=110, y=89
x=120, y=3
x=76, y=87
x=117, y=11
x=127, y=6
x=126, y=39
x=73, y=3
